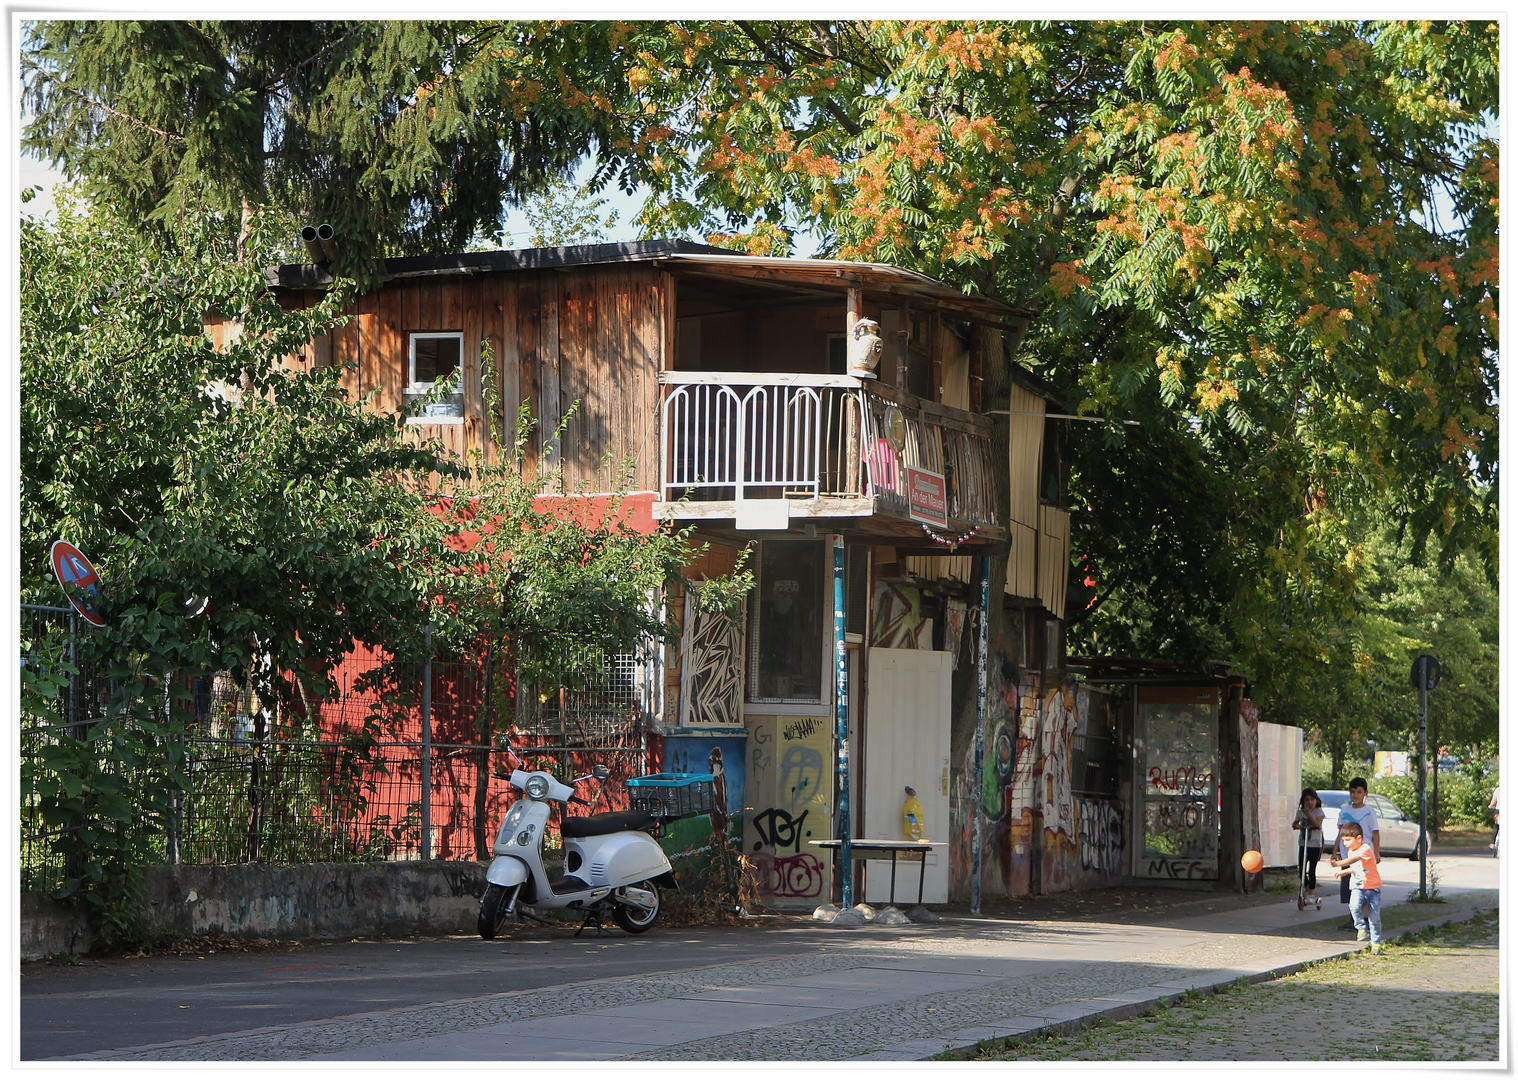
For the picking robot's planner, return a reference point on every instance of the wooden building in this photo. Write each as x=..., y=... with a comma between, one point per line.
x=722, y=380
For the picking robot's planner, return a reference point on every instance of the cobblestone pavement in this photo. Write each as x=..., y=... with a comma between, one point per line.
x=1432, y=1000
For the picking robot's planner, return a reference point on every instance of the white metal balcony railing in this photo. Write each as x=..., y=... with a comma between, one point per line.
x=743, y=435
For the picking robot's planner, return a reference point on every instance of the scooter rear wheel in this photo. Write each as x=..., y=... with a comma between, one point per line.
x=633, y=919
x=495, y=910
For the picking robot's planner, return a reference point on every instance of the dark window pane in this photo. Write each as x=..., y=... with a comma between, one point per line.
x=789, y=621
x=436, y=358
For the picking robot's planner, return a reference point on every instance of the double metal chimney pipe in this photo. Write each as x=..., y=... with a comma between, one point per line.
x=320, y=241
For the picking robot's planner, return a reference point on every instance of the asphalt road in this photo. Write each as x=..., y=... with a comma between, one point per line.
x=99, y=1004
x=109, y=1003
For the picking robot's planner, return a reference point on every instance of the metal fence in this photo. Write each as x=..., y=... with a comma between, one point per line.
x=395, y=768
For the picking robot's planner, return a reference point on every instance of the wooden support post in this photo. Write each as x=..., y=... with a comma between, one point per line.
x=935, y=357
x=855, y=309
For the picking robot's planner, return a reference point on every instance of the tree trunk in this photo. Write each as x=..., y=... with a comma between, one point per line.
x=1336, y=757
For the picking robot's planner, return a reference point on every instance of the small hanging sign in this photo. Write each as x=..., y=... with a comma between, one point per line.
x=81, y=584
x=927, y=497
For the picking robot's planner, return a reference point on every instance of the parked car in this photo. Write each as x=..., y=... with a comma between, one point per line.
x=1399, y=834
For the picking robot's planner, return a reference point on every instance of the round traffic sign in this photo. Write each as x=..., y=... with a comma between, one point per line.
x=81, y=584
x=1426, y=667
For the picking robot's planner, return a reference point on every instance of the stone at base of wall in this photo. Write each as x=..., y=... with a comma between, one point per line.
x=311, y=900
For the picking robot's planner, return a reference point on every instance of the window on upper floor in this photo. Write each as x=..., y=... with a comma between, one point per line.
x=434, y=357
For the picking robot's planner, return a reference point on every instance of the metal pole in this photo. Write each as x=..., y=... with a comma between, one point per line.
x=976, y=794
x=427, y=745
x=841, y=723
x=75, y=727
x=1423, y=778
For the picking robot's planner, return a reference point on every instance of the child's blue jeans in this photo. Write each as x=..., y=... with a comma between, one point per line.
x=1365, y=910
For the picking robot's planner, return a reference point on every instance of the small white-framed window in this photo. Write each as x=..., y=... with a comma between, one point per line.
x=433, y=356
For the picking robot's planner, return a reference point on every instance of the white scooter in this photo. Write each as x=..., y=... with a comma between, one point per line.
x=609, y=861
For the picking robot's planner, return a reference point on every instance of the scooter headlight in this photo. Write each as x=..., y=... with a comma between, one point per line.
x=537, y=786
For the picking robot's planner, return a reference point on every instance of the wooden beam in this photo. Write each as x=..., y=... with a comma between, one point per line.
x=667, y=299
x=854, y=307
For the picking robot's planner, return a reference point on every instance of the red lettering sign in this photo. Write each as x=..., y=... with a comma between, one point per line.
x=927, y=497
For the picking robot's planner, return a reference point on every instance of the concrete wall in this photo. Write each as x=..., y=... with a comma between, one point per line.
x=49, y=928
x=317, y=900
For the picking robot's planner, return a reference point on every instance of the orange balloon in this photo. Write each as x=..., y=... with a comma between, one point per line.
x=1253, y=861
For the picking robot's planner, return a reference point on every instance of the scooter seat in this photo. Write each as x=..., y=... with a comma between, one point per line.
x=600, y=824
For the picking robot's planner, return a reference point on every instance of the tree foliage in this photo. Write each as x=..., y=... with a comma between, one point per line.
x=1273, y=244
x=389, y=131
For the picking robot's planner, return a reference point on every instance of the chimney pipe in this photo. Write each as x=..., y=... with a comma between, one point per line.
x=328, y=240
x=313, y=249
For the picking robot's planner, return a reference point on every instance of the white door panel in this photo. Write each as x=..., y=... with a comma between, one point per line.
x=906, y=723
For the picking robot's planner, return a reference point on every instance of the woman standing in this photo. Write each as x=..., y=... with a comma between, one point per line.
x=1309, y=824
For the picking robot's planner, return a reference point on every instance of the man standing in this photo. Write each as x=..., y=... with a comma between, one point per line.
x=1363, y=814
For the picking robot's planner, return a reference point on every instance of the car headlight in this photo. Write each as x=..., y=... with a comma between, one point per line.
x=537, y=786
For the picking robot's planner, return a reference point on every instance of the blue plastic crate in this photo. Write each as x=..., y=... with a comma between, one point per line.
x=673, y=795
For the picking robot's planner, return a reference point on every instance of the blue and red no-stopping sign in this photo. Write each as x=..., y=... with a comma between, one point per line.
x=81, y=584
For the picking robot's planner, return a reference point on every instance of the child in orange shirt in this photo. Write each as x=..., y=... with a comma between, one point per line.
x=1364, y=884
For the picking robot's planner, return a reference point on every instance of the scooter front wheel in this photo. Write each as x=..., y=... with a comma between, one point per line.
x=495, y=909
x=639, y=911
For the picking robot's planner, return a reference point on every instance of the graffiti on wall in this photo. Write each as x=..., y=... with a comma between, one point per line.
x=1036, y=833
x=898, y=618
x=790, y=783
x=711, y=666
x=1101, y=836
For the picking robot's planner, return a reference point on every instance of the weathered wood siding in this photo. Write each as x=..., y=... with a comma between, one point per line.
x=1025, y=447
x=592, y=335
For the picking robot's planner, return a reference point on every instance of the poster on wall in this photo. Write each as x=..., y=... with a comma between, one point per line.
x=724, y=757
x=711, y=667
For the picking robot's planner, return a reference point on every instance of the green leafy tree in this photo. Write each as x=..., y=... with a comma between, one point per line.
x=193, y=468
x=374, y=127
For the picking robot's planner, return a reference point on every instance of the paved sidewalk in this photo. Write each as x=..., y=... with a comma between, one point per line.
x=872, y=993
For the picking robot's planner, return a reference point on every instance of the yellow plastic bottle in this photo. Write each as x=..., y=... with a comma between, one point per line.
x=911, y=816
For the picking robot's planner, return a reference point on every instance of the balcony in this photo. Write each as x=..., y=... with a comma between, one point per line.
x=763, y=449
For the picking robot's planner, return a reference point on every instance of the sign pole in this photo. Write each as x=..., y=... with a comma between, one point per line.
x=841, y=724
x=1423, y=780
x=1425, y=676
x=975, y=809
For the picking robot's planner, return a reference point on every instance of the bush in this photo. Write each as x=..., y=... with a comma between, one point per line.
x=1462, y=798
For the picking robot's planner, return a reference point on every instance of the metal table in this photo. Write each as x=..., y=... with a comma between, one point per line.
x=869, y=849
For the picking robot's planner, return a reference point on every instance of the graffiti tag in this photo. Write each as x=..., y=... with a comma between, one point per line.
x=1182, y=869
x=802, y=729
x=804, y=765
x=1101, y=836
x=1188, y=781
x=790, y=876
x=778, y=829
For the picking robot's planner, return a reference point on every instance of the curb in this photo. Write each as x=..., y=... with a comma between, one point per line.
x=1068, y=1017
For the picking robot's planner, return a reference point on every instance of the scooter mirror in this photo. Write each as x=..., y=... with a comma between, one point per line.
x=600, y=772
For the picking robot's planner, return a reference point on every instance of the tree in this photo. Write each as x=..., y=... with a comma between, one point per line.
x=374, y=127
x=187, y=469
x=1272, y=243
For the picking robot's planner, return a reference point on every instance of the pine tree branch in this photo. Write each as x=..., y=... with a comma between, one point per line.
x=42, y=72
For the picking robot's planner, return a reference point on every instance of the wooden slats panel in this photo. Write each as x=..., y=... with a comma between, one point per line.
x=1022, y=565
x=1054, y=559
x=597, y=336
x=550, y=408
x=390, y=363
x=1025, y=448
